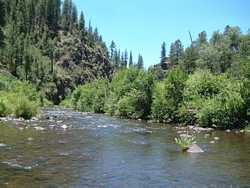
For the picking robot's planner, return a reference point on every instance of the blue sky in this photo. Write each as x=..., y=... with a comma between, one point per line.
x=142, y=25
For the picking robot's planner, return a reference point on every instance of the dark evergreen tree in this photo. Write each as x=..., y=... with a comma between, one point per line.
x=130, y=59
x=163, y=53
x=176, y=52
x=2, y=21
x=202, y=40
x=125, y=58
x=81, y=23
x=112, y=49
x=140, y=63
x=67, y=15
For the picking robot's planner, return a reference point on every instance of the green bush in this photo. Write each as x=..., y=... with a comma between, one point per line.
x=130, y=94
x=213, y=100
x=18, y=98
x=89, y=97
x=168, y=96
x=4, y=110
x=25, y=108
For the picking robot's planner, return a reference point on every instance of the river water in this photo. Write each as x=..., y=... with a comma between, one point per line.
x=86, y=150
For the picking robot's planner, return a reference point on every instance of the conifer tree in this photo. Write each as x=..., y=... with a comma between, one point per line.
x=112, y=49
x=140, y=63
x=163, y=52
x=81, y=22
x=2, y=21
x=130, y=59
x=176, y=52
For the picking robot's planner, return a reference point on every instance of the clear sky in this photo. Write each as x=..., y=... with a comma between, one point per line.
x=142, y=25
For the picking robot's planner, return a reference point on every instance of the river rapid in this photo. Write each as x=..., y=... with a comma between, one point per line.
x=70, y=149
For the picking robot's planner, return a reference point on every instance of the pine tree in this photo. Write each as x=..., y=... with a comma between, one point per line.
x=163, y=53
x=176, y=52
x=96, y=34
x=81, y=22
x=130, y=59
x=125, y=58
x=74, y=16
x=112, y=49
x=202, y=40
x=2, y=21
x=66, y=14
x=140, y=63
x=53, y=14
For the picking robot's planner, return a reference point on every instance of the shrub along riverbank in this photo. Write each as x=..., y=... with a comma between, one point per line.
x=201, y=98
x=18, y=99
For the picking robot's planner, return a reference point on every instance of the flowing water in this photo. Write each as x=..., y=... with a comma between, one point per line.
x=86, y=150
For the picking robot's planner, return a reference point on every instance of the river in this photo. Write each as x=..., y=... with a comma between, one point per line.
x=88, y=150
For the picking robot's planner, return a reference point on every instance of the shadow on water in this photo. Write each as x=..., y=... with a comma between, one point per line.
x=87, y=150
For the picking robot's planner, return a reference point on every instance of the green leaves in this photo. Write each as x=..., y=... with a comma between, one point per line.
x=213, y=100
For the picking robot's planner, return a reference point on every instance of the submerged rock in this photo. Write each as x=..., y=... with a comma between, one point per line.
x=64, y=127
x=2, y=145
x=39, y=128
x=194, y=149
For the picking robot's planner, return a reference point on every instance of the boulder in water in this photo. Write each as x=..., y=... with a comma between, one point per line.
x=194, y=149
x=2, y=145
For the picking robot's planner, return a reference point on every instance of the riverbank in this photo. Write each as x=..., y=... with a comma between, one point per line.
x=202, y=98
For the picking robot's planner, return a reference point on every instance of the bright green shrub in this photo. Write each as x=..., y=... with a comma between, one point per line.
x=130, y=94
x=168, y=96
x=4, y=110
x=211, y=100
x=18, y=98
x=90, y=97
x=25, y=108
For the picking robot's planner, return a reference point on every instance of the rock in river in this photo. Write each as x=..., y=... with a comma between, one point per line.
x=194, y=149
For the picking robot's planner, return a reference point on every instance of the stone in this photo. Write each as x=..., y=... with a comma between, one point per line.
x=30, y=139
x=212, y=142
x=39, y=128
x=2, y=145
x=195, y=149
x=228, y=130
x=64, y=126
x=216, y=138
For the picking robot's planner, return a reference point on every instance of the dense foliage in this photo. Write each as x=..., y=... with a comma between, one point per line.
x=46, y=43
x=130, y=94
x=18, y=98
x=168, y=96
x=213, y=100
x=207, y=84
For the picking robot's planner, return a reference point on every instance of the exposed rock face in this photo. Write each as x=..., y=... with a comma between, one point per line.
x=194, y=149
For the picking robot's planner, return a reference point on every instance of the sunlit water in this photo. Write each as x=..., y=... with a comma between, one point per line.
x=100, y=151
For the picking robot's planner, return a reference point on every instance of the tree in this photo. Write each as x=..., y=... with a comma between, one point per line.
x=112, y=49
x=163, y=53
x=216, y=38
x=2, y=21
x=96, y=34
x=176, y=52
x=74, y=16
x=53, y=13
x=81, y=23
x=233, y=33
x=190, y=57
x=125, y=58
x=202, y=40
x=140, y=63
x=130, y=59
x=67, y=15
